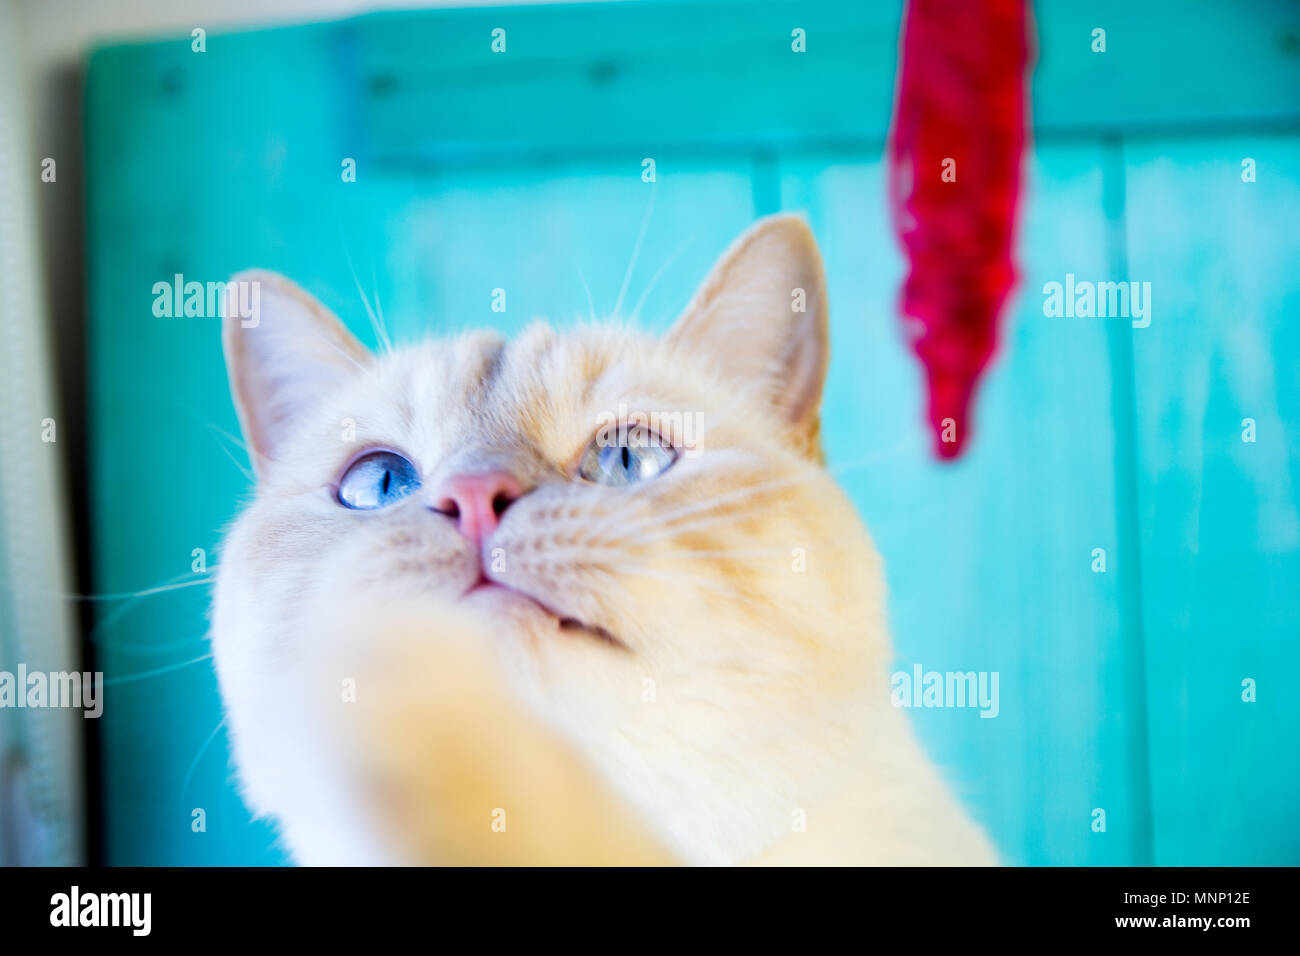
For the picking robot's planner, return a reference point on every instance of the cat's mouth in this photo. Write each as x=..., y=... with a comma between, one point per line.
x=564, y=622
x=593, y=630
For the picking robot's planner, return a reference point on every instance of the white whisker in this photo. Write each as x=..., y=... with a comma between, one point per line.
x=233, y=439
x=156, y=671
x=636, y=251
x=130, y=599
x=246, y=472
x=381, y=334
x=591, y=303
x=350, y=358
x=185, y=784
x=219, y=433
x=741, y=554
x=677, y=531
x=746, y=491
x=702, y=582
x=708, y=504
x=654, y=279
x=379, y=308
x=173, y=585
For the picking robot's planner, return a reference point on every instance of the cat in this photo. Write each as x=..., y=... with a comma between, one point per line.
x=464, y=621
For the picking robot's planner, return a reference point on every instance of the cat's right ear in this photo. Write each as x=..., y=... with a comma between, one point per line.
x=760, y=318
x=284, y=353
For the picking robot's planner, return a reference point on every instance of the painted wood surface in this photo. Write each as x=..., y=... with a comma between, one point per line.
x=1118, y=691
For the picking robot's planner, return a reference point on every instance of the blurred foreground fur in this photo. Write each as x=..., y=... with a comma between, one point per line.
x=459, y=774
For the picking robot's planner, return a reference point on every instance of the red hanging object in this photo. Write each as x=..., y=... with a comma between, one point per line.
x=954, y=180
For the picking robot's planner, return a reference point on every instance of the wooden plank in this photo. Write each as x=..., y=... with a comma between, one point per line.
x=989, y=560
x=620, y=77
x=1219, y=516
x=198, y=164
x=1169, y=66
x=614, y=81
x=715, y=76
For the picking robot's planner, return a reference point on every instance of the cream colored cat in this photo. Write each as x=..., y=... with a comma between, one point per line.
x=464, y=621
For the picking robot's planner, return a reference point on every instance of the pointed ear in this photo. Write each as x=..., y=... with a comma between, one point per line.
x=284, y=353
x=760, y=319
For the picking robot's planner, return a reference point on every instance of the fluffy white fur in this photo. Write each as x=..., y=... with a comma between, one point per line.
x=741, y=715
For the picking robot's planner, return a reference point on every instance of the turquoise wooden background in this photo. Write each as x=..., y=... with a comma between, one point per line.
x=1119, y=691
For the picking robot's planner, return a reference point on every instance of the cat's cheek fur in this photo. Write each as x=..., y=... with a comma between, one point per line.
x=288, y=771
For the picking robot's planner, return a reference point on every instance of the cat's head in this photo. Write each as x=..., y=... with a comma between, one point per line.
x=674, y=579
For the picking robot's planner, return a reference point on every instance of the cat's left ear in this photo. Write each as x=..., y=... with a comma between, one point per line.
x=760, y=318
x=285, y=353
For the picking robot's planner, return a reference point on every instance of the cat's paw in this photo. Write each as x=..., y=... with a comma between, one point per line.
x=449, y=765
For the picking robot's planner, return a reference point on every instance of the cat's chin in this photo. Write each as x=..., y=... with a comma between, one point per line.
x=538, y=618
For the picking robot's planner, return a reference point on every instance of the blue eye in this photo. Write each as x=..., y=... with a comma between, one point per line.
x=377, y=480
x=639, y=454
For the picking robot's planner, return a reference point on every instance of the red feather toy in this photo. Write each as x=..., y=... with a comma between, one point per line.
x=954, y=163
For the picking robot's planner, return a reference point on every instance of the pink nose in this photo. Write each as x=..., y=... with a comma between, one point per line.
x=477, y=501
